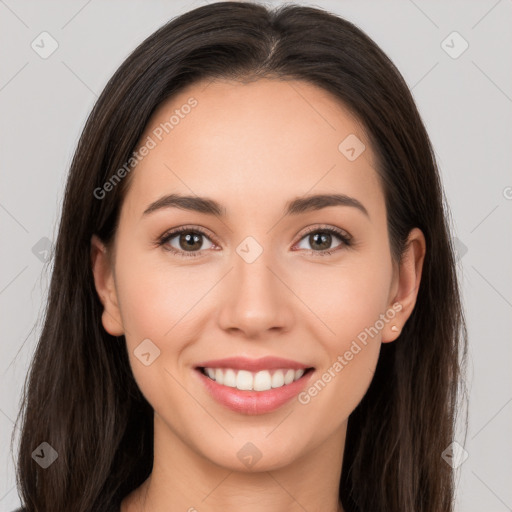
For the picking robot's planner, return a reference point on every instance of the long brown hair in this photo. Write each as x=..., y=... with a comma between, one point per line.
x=80, y=395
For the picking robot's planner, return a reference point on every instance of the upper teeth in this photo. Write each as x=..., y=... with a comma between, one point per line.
x=249, y=381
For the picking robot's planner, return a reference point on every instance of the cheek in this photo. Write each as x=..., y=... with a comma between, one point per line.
x=350, y=301
x=156, y=296
x=157, y=304
x=163, y=303
x=346, y=297
x=353, y=313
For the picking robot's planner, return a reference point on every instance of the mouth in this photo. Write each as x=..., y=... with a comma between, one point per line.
x=253, y=392
x=245, y=380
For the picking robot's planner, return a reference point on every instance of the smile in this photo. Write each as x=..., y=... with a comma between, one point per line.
x=253, y=381
x=253, y=386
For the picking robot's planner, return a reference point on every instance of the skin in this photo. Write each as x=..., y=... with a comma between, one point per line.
x=252, y=147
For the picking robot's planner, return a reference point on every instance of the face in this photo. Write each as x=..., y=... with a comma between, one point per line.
x=312, y=282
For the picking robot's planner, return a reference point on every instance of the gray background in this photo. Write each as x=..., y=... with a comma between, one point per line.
x=466, y=104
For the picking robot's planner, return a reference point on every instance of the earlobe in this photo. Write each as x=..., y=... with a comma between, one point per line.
x=393, y=328
x=409, y=278
x=105, y=287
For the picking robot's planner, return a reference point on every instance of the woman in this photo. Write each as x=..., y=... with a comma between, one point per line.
x=254, y=286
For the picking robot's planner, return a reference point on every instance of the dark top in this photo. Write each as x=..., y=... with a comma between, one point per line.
x=20, y=510
x=25, y=510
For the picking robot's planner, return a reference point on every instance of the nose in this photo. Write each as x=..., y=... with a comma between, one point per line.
x=255, y=300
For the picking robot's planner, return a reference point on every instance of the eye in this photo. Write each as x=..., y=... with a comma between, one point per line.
x=321, y=238
x=185, y=241
x=189, y=242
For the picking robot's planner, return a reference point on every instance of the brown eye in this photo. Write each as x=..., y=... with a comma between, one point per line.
x=190, y=242
x=320, y=240
x=185, y=242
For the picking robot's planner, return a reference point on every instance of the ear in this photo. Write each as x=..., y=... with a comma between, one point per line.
x=103, y=272
x=406, y=284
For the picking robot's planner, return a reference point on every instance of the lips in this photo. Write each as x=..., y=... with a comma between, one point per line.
x=253, y=401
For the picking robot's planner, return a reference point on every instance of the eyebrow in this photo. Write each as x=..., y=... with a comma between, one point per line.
x=294, y=207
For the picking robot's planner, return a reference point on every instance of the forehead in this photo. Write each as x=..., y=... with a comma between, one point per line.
x=252, y=143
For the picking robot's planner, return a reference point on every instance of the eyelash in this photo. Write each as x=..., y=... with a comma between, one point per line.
x=343, y=236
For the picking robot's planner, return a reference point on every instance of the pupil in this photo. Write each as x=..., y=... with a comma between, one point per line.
x=325, y=239
x=190, y=240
